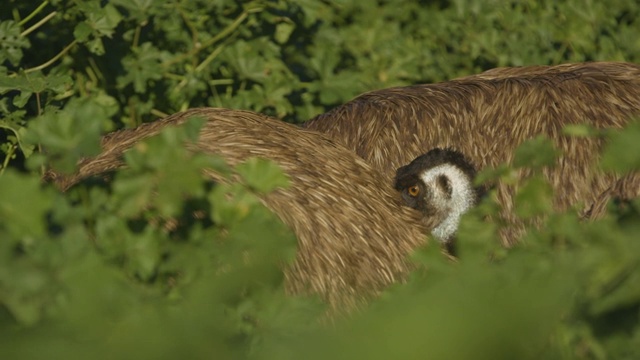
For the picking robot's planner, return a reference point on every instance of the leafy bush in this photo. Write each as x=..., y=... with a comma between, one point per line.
x=123, y=269
x=102, y=269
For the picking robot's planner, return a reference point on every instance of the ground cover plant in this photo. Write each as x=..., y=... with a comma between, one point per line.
x=99, y=271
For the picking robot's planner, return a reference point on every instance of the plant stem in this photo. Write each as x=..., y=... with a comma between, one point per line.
x=158, y=113
x=54, y=59
x=10, y=152
x=136, y=36
x=33, y=13
x=211, y=41
x=38, y=24
x=203, y=64
x=39, y=105
x=210, y=58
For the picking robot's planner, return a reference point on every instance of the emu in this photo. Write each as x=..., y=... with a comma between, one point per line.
x=354, y=235
x=486, y=116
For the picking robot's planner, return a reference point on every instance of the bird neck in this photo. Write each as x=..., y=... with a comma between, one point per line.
x=461, y=200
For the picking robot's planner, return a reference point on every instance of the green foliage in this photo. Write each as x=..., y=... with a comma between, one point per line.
x=271, y=177
x=463, y=314
x=159, y=262
x=290, y=59
x=140, y=260
x=597, y=261
x=535, y=153
x=622, y=151
x=12, y=42
x=73, y=132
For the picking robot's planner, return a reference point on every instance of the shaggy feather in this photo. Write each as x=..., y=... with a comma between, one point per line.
x=486, y=116
x=354, y=235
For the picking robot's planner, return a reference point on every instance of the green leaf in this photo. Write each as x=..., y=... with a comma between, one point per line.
x=192, y=128
x=488, y=174
x=144, y=253
x=11, y=42
x=21, y=100
x=262, y=175
x=106, y=23
x=82, y=32
x=580, y=130
x=12, y=123
x=72, y=133
x=231, y=203
x=535, y=153
x=621, y=292
x=143, y=66
x=23, y=206
x=622, y=152
x=34, y=82
x=141, y=10
x=26, y=290
x=133, y=194
x=283, y=32
x=535, y=198
x=96, y=46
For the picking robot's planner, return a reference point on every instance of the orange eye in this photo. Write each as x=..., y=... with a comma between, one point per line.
x=414, y=190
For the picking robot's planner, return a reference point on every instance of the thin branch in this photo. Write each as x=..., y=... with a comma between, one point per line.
x=33, y=13
x=38, y=103
x=158, y=113
x=10, y=152
x=38, y=24
x=136, y=36
x=211, y=57
x=54, y=59
x=229, y=29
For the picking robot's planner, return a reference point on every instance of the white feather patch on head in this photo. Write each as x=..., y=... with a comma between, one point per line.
x=462, y=197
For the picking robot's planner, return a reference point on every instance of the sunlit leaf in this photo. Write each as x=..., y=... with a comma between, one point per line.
x=262, y=175
x=535, y=153
x=23, y=205
x=622, y=153
x=11, y=42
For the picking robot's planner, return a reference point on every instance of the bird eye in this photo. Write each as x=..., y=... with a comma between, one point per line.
x=414, y=190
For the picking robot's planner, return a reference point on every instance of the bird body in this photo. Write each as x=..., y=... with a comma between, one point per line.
x=354, y=235
x=487, y=116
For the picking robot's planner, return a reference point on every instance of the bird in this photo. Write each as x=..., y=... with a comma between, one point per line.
x=488, y=115
x=354, y=234
x=440, y=185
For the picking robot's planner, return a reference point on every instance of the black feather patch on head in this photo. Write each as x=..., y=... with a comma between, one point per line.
x=413, y=201
x=408, y=176
x=431, y=159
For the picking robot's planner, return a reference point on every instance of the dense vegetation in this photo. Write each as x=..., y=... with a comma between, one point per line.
x=98, y=272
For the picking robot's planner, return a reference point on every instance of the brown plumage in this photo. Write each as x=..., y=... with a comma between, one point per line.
x=354, y=235
x=486, y=116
